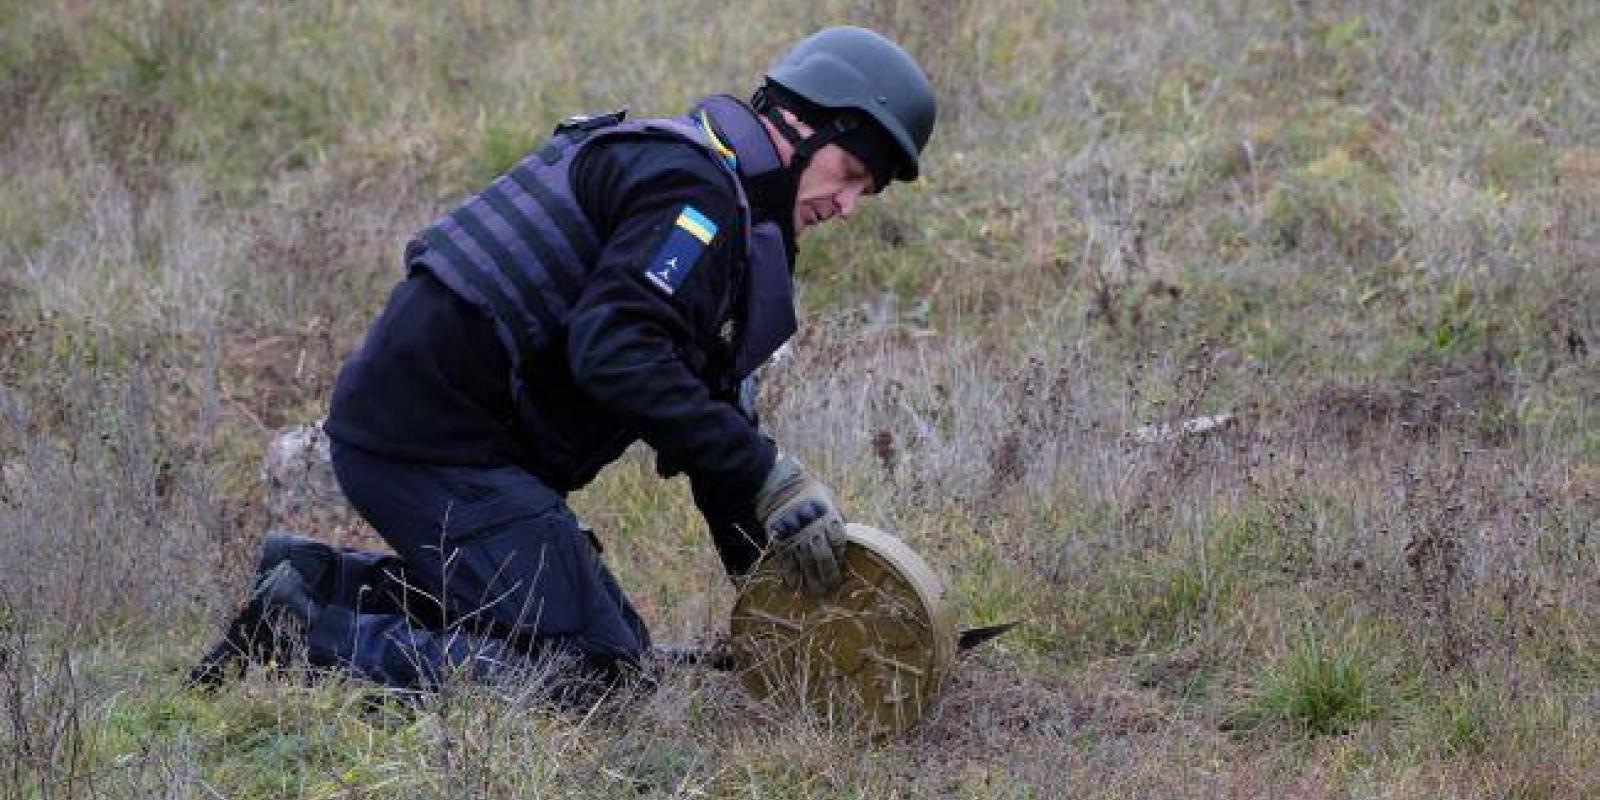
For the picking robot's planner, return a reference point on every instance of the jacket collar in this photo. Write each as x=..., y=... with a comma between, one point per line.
x=734, y=127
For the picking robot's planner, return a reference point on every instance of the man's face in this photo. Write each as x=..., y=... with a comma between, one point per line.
x=833, y=182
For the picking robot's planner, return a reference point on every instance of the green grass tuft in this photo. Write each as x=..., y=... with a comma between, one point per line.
x=1318, y=688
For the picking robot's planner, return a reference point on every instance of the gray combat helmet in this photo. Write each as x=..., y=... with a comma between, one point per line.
x=849, y=68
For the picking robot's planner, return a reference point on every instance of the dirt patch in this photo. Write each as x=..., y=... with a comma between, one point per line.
x=1473, y=399
x=272, y=378
x=991, y=708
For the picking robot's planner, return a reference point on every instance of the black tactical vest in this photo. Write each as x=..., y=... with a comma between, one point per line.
x=522, y=249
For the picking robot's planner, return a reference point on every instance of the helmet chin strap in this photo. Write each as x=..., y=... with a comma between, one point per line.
x=804, y=146
x=785, y=182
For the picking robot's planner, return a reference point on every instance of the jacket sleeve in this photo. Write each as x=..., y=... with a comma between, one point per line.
x=639, y=337
x=737, y=533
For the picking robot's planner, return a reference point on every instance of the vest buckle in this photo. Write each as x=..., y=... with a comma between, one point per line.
x=582, y=124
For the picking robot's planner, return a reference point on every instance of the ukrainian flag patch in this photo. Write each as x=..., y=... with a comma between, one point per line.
x=688, y=238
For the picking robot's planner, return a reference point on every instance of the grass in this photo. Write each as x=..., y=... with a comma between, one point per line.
x=1316, y=688
x=1367, y=230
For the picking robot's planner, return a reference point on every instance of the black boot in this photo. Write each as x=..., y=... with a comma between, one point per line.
x=293, y=580
x=314, y=560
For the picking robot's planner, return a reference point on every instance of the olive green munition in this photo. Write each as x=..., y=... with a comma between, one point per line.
x=872, y=654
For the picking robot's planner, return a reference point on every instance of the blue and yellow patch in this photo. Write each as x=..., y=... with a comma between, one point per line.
x=690, y=235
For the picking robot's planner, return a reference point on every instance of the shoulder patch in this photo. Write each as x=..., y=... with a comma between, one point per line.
x=681, y=250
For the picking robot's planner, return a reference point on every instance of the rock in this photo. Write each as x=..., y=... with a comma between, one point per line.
x=1198, y=426
x=302, y=492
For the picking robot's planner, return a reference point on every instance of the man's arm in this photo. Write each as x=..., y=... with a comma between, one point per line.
x=653, y=303
x=735, y=529
x=638, y=342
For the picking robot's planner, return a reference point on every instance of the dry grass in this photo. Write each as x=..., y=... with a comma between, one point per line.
x=1365, y=229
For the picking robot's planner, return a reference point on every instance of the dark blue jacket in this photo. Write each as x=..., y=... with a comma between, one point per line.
x=615, y=285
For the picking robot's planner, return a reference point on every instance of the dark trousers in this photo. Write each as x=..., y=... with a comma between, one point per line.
x=491, y=575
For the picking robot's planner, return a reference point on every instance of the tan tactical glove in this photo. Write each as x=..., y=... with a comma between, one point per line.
x=803, y=525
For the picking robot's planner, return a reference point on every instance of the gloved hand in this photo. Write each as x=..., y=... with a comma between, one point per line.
x=803, y=525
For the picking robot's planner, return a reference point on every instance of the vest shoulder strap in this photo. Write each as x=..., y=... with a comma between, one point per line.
x=684, y=129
